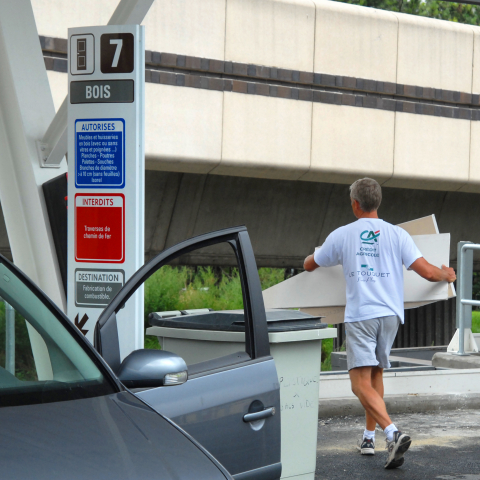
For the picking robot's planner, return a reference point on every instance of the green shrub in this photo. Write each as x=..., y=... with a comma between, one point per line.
x=24, y=363
x=270, y=276
x=476, y=322
x=163, y=288
x=327, y=348
x=182, y=288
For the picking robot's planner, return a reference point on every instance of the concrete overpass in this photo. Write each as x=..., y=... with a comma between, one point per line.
x=263, y=111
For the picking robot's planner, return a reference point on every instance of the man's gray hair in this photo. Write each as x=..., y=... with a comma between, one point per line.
x=368, y=193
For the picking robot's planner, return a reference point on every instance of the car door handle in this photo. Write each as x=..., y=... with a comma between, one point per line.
x=252, y=417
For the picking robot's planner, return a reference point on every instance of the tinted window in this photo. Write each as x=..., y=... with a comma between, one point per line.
x=40, y=361
x=198, y=296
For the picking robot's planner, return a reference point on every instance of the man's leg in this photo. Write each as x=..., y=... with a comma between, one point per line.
x=377, y=384
x=370, y=398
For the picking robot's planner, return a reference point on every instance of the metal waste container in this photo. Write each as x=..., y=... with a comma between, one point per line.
x=295, y=344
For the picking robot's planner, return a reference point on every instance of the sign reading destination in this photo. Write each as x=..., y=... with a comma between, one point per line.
x=102, y=91
x=100, y=153
x=96, y=288
x=100, y=228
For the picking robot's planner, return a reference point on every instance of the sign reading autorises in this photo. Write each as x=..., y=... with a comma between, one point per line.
x=100, y=153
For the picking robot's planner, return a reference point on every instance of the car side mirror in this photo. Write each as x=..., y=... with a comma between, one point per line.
x=152, y=368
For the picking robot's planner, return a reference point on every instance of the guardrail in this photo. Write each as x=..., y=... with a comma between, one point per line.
x=464, y=303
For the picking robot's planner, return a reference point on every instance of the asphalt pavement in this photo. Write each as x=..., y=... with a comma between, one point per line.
x=445, y=446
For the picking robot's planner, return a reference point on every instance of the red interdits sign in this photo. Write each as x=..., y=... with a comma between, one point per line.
x=100, y=228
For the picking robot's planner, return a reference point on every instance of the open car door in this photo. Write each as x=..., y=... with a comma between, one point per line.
x=231, y=400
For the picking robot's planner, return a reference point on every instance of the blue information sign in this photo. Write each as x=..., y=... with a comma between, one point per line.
x=100, y=153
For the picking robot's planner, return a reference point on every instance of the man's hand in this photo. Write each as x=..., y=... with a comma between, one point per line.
x=431, y=273
x=449, y=273
x=309, y=264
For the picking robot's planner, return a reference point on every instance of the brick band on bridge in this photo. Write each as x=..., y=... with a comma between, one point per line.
x=226, y=76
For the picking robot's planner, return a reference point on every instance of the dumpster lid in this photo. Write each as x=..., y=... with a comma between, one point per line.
x=234, y=321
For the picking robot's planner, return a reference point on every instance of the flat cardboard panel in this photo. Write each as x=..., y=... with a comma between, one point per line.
x=421, y=226
x=322, y=292
x=333, y=315
x=436, y=250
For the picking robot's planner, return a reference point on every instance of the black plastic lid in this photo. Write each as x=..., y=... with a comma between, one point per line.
x=234, y=321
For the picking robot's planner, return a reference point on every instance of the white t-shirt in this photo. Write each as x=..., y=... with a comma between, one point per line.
x=372, y=253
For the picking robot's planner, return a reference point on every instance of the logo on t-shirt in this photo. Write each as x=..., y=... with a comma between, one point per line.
x=370, y=238
x=367, y=267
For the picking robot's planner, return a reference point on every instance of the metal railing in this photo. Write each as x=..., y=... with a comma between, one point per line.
x=464, y=303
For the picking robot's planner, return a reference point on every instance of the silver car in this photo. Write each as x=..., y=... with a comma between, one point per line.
x=69, y=410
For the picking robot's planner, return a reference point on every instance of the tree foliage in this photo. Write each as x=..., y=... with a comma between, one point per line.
x=453, y=12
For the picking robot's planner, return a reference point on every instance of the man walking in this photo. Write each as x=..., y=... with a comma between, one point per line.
x=372, y=253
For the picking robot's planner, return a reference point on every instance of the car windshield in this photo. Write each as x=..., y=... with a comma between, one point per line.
x=40, y=360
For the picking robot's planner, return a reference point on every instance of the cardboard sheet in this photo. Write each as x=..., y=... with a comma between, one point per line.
x=421, y=226
x=322, y=292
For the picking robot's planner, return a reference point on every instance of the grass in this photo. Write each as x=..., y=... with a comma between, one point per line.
x=476, y=322
x=327, y=348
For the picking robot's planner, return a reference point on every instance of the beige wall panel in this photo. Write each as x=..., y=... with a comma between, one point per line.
x=187, y=27
x=265, y=137
x=476, y=60
x=55, y=17
x=350, y=142
x=183, y=128
x=430, y=152
x=434, y=53
x=355, y=41
x=473, y=184
x=278, y=33
x=59, y=87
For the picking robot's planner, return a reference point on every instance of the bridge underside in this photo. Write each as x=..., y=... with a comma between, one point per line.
x=285, y=219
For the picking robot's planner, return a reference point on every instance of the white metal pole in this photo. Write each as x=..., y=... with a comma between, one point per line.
x=461, y=320
x=26, y=111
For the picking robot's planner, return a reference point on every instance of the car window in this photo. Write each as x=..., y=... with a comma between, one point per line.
x=197, y=297
x=40, y=360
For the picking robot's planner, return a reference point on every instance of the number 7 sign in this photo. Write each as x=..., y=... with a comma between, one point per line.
x=116, y=53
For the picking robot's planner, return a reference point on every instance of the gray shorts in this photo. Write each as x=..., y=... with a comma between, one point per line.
x=369, y=342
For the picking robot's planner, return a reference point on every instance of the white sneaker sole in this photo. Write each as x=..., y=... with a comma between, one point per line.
x=395, y=459
x=366, y=451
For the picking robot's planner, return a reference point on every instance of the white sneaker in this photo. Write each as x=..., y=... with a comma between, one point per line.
x=366, y=446
x=396, y=449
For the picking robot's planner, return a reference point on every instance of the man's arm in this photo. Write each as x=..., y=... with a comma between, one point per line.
x=309, y=264
x=431, y=273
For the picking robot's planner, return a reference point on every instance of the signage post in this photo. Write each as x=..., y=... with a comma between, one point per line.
x=106, y=175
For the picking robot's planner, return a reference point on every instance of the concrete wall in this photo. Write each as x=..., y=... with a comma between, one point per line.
x=228, y=133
